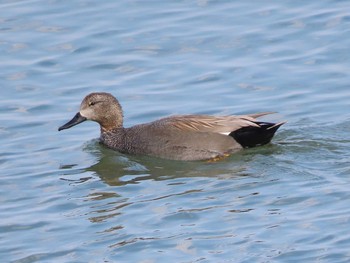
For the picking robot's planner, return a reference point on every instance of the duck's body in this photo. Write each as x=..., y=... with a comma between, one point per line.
x=184, y=137
x=168, y=142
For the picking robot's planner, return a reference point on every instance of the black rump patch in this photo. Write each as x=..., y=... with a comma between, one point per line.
x=255, y=136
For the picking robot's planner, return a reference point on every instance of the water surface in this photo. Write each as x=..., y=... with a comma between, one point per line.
x=66, y=198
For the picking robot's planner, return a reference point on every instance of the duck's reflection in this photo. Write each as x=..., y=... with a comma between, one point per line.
x=127, y=190
x=116, y=169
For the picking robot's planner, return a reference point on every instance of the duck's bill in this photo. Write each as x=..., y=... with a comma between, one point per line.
x=76, y=120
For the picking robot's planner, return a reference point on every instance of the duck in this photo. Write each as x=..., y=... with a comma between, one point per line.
x=177, y=137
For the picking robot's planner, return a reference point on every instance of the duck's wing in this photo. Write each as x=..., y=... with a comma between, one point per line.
x=216, y=124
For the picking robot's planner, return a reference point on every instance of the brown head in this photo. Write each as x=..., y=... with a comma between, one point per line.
x=100, y=107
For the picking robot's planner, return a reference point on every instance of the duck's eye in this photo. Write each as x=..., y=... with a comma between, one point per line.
x=92, y=103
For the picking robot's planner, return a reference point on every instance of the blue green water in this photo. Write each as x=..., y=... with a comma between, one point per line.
x=66, y=198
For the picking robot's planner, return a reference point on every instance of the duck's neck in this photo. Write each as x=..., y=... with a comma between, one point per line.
x=113, y=138
x=110, y=124
x=104, y=129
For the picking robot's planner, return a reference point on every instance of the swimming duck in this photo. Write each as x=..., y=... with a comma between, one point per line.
x=180, y=137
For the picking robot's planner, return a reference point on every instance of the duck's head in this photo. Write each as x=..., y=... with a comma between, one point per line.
x=100, y=107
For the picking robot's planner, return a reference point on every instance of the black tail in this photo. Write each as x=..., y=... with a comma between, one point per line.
x=254, y=136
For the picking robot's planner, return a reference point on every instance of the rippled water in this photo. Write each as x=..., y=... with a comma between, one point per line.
x=66, y=198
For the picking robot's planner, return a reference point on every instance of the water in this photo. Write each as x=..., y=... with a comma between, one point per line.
x=65, y=198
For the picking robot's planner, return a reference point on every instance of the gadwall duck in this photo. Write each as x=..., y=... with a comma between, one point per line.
x=181, y=137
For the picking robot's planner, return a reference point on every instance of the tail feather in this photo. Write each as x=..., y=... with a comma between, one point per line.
x=254, y=136
x=277, y=125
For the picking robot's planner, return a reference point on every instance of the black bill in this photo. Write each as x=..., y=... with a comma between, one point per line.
x=76, y=120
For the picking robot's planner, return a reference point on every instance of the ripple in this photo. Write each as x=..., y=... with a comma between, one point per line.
x=67, y=198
